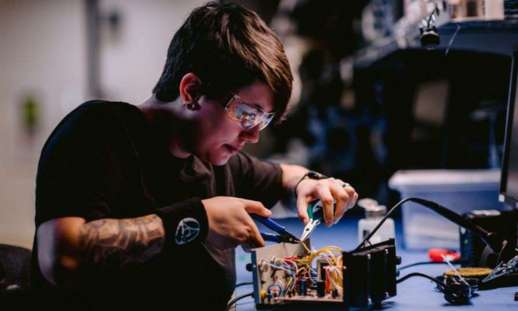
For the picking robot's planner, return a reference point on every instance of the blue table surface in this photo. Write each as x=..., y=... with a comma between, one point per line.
x=412, y=294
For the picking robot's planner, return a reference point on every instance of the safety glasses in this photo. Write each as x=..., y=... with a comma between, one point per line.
x=246, y=114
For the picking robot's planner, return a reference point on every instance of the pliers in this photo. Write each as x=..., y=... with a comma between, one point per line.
x=282, y=236
x=316, y=215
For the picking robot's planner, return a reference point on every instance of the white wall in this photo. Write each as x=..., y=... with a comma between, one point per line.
x=132, y=62
x=43, y=52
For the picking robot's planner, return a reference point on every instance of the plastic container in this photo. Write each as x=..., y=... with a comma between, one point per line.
x=459, y=190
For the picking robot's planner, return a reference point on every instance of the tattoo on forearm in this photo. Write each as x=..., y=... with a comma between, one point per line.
x=118, y=242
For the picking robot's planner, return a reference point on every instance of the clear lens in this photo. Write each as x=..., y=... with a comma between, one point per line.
x=248, y=115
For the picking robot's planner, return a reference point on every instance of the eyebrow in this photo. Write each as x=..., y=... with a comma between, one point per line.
x=256, y=105
x=259, y=107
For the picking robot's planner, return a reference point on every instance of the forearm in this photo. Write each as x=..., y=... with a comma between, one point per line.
x=118, y=242
x=291, y=174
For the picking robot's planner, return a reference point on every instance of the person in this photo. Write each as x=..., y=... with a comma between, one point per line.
x=142, y=206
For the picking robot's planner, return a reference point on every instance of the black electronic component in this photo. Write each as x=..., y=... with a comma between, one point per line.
x=370, y=274
x=503, y=223
x=456, y=291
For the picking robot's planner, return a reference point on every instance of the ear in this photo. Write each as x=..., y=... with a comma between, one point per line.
x=189, y=88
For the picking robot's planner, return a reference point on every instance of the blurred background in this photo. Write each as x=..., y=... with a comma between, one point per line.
x=381, y=86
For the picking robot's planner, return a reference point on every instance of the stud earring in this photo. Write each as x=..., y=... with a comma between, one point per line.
x=194, y=106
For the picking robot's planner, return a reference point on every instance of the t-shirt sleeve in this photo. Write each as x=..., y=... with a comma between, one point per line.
x=70, y=179
x=255, y=179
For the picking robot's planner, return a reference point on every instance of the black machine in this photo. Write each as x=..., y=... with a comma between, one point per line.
x=502, y=223
x=509, y=181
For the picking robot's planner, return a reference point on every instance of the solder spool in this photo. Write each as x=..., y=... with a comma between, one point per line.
x=469, y=272
x=472, y=275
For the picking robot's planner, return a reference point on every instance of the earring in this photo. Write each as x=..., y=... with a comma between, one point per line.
x=194, y=106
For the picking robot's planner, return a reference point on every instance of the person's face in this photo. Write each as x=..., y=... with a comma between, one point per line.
x=221, y=133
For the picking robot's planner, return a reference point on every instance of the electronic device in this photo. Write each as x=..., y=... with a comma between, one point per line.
x=502, y=224
x=473, y=249
x=509, y=176
x=292, y=274
x=509, y=179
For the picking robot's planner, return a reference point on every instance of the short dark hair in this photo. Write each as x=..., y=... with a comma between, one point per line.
x=227, y=47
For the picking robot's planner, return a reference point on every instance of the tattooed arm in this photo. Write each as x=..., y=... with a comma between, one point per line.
x=66, y=244
x=121, y=241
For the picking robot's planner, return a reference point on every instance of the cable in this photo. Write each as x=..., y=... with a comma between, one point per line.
x=413, y=274
x=236, y=299
x=450, y=44
x=420, y=263
x=455, y=293
x=489, y=238
x=243, y=284
x=367, y=238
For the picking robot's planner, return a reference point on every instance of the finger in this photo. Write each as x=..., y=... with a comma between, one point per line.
x=302, y=209
x=255, y=239
x=355, y=199
x=342, y=200
x=353, y=195
x=256, y=207
x=326, y=198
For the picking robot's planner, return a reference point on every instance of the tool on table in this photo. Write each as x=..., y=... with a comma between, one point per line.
x=503, y=269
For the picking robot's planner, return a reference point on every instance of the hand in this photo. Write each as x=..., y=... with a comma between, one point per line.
x=328, y=191
x=230, y=223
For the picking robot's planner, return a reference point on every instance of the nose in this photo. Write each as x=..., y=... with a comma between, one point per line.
x=251, y=135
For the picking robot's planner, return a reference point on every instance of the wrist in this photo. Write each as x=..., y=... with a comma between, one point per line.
x=185, y=223
x=309, y=175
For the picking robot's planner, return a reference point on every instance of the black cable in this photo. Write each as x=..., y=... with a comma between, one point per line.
x=489, y=238
x=236, y=299
x=391, y=210
x=456, y=293
x=413, y=274
x=243, y=284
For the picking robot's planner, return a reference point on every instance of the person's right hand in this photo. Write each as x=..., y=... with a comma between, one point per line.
x=230, y=223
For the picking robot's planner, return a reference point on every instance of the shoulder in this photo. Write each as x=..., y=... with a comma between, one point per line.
x=102, y=109
x=98, y=114
x=91, y=121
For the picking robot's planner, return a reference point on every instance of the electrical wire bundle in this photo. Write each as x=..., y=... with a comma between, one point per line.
x=318, y=274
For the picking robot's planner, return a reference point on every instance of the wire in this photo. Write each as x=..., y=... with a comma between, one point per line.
x=504, y=244
x=489, y=238
x=414, y=274
x=451, y=40
x=243, y=284
x=367, y=238
x=420, y=263
x=456, y=293
x=236, y=299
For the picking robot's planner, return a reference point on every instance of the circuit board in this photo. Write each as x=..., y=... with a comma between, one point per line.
x=289, y=273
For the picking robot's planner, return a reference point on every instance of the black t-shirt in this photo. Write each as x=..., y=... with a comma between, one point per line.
x=104, y=160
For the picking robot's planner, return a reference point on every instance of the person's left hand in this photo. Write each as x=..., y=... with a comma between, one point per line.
x=329, y=191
